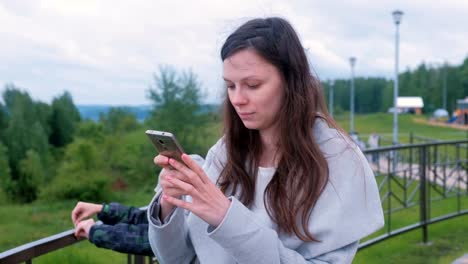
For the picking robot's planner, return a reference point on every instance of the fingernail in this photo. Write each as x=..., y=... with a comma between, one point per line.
x=164, y=196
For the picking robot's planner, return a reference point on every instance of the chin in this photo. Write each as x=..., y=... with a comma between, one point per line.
x=250, y=125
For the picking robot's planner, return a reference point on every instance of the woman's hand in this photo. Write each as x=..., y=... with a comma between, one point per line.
x=167, y=187
x=208, y=202
x=83, y=227
x=84, y=210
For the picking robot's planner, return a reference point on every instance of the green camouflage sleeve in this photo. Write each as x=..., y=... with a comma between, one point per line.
x=125, y=238
x=114, y=213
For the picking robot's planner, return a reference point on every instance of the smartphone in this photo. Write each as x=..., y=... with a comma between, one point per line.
x=166, y=144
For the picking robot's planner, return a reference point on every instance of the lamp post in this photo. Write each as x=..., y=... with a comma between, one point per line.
x=397, y=14
x=444, y=95
x=352, y=61
x=330, y=99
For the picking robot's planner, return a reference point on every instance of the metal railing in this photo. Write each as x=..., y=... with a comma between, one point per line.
x=407, y=176
x=420, y=175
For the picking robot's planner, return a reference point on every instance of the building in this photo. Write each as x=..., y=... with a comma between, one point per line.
x=410, y=104
x=462, y=111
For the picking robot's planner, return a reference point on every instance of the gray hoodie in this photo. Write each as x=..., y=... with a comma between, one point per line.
x=348, y=209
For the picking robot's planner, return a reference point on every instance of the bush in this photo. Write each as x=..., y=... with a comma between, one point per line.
x=82, y=175
x=93, y=187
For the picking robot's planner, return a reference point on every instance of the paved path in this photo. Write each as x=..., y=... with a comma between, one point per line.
x=461, y=260
x=453, y=177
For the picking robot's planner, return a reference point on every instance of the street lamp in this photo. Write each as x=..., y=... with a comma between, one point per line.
x=444, y=96
x=330, y=98
x=352, y=61
x=397, y=14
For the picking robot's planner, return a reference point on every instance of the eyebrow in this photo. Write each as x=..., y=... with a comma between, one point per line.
x=248, y=77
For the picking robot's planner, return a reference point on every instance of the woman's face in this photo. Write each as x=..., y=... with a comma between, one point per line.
x=255, y=89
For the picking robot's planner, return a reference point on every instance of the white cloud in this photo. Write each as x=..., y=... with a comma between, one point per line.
x=105, y=51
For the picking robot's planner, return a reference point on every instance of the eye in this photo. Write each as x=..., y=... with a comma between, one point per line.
x=253, y=86
x=230, y=86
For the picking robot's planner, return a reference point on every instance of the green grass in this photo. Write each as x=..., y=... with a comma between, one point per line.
x=21, y=224
x=447, y=242
x=382, y=123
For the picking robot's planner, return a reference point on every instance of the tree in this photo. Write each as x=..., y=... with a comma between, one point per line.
x=90, y=130
x=3, y=120
x=24, y=132
x=82, y=175
x=64, y=119
x=32, y=175
x=44, y=114
x=5, y=174
x=118, y=119
x=177, y=108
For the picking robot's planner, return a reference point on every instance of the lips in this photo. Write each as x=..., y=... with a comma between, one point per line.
x=245, y=115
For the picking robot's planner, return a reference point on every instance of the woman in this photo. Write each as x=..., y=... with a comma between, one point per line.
x=284, y=184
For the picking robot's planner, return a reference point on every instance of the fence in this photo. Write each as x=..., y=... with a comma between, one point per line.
x=420, y=175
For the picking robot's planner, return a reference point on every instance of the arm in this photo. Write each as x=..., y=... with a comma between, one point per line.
x=125, y=238
x=170, y=241
x=114, y=213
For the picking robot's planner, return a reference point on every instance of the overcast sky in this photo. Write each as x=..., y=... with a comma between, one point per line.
x=104, y=52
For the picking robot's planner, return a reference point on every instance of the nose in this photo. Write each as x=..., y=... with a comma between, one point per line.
x=237, y=97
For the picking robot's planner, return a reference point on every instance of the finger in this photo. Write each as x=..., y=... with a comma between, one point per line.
x=190, y=175
x=167, y=186
x=75, y=214
x=171, y=190
x=80, y=217
x=161, y=161
x=193, y=165
x=185, y=187
x=177, y=202
x=176, y=174
x=78, y=230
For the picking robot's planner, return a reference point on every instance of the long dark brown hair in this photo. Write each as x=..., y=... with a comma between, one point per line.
x=302, y=171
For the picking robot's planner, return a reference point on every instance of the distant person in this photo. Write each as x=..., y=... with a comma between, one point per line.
x=355, y=137
x=374, y=142
x=284, y=184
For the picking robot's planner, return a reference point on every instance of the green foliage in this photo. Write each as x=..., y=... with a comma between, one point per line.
x=427, y=80
x=130, y=158
x=44, y=114
x=64, y=119
x=94, y=187
x=32, y=174
x=82, y=175
x=25, y=132
x=118, y=119
x=5, y=174
x=3, y=120
x=177, y=108
x=91, y=130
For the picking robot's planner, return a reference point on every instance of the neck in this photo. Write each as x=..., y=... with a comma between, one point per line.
x=269, y=140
